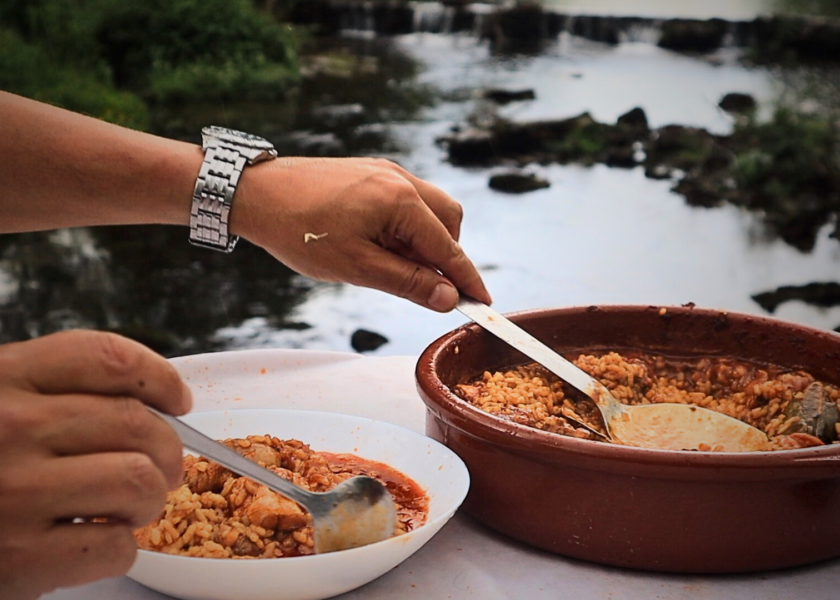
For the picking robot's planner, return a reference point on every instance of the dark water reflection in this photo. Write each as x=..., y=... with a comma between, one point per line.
x=142, y=282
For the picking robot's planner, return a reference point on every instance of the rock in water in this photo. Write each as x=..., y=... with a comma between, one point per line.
x=363, y=340
x=514, y=182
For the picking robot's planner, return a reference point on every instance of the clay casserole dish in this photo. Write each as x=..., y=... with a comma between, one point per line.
x=692, y=512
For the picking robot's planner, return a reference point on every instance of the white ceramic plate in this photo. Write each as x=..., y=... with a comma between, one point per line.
x=433, y=466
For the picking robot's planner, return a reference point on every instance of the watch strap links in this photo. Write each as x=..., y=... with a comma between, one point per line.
x=213, y=198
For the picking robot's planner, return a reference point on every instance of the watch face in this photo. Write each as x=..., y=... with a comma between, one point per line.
x=237, y=137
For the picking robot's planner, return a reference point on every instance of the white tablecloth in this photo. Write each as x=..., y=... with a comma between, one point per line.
x=465, y=560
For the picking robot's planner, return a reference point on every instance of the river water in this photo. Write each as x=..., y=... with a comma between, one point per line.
x=597, y=235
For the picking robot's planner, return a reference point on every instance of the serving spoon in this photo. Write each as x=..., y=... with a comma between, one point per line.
x=666, y=425
x=357, y=512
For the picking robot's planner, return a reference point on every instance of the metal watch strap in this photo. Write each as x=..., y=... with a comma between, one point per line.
x=213, y=197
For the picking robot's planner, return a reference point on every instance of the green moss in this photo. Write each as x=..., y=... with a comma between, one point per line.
x=792, y=153
x=585, y=142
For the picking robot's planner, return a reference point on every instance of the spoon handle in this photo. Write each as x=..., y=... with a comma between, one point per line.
x=197, y=441
x=531, y=347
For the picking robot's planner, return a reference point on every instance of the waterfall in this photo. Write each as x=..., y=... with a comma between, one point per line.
x=494, y=21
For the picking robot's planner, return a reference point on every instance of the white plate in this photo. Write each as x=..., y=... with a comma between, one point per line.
x=433, y=466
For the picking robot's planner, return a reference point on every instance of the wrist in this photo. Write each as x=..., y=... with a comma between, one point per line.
x=228, y=153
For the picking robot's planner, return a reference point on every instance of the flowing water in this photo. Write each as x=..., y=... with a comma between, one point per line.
x=597, y=235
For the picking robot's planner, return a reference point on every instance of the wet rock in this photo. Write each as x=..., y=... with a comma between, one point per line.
x=501, y=96
x=320, y=15
x=517, y=182
x=598, y=28
x=737, y=103
x=823, y=294
x=635, y=119
x=789, y=38
x=784, y=168
x=699, y=192
x=678, y=147
x=658, y=171
x=521, y=28
x=363, y=340
x=371, y=136
x=564, y=139
x=316, y=144
x=798, y=219
x=717, y=158
x=620, y=156
x=333, y=115
x=294, y=325
x=470, y=146
x=689, y=35
x=393, y=18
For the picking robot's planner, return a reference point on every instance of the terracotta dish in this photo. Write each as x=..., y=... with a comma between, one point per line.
x=660, y=510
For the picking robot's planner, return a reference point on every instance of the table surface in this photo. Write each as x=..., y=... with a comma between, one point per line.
x=465, y=560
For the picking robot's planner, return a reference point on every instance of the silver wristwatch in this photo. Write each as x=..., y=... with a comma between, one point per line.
x=226, y=152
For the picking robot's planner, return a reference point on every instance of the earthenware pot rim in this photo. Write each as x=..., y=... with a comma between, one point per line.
x=822, y=461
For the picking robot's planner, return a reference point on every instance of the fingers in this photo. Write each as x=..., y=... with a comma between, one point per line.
x=429, y=244
x=74, y=425
x=98, y=363
x=444, y=207
x=78, y=553
x=63, y=556
x=123, y=487
x=432, y=244
x=405, y=278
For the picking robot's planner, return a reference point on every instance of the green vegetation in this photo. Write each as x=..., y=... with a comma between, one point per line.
x=790, y=155
x=829, y=8
x=113, y=59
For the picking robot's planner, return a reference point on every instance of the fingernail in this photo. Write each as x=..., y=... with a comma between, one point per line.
x=444, y=297
x=186, y=399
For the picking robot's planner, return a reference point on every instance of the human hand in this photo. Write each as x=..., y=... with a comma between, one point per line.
x=362, y=221
x=76, y=442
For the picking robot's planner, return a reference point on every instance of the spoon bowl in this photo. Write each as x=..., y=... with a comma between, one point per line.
x=664, y=426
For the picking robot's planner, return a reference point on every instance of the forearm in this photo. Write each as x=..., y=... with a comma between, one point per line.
x=61, y=169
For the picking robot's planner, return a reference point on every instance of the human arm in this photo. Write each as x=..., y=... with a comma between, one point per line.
x=386, y=228
x=77, y=442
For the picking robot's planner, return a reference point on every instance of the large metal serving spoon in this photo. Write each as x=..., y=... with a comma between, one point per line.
x=667, y=426
x=357, y=512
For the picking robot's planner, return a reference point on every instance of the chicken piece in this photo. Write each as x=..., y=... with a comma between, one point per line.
x=256, y=451
x=273, y=511
x=202, y=476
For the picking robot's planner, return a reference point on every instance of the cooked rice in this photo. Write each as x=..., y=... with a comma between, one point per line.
x=756, y=394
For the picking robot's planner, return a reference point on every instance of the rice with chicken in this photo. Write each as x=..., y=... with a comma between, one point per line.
x=791, y=407
x=217, y=514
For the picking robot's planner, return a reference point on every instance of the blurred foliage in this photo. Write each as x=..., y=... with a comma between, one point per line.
x=828, y=8
x=113, y=58
x=791, y=154
x=29, y=70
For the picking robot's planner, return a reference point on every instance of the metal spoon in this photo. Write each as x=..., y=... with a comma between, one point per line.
x=667, y=426
x=357, y=512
